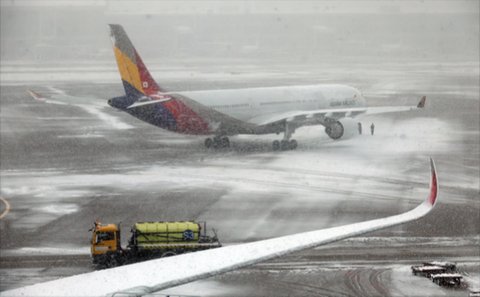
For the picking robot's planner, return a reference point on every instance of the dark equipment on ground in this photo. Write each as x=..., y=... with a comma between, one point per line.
x=427, y=271
x=449, y=267
x=474, y=293
x=442, y=273
x=149, y=240
x=447, y=279
x=435, y=267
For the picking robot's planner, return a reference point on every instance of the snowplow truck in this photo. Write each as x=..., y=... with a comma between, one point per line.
x=148, y=240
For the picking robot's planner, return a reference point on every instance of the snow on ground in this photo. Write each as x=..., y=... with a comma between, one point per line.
x=391, y=165
x=406, y=284
x=394, y=241
x=109, y=120
x=63, y=209
x=46, y=250
x=291, y=187
x=204, y=288
x=334, y=168
x=359, y=242
x=473, y=281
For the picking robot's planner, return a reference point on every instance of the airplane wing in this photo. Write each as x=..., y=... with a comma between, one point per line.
x=57, y=96
x=387, y=109
x=42, y=98
x=90, y=105
x=319, y=115
x=155, y=275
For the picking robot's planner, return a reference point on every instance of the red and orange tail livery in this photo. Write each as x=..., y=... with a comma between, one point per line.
x=144, y=98
x=136, y=79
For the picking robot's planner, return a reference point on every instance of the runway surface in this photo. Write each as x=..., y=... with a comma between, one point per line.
x=63, y=166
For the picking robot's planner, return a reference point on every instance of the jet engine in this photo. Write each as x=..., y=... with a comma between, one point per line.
x=344, y=128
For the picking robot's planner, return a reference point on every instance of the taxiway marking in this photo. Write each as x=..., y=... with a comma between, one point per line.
x=7, y=208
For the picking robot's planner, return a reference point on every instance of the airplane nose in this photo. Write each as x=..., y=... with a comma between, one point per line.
x=110, y=102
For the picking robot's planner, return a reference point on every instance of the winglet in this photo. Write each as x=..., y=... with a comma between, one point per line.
x=421, y=104
x=432, y=198
x=36, y=96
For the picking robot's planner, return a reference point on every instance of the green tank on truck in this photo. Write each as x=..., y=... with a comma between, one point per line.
x=151, y=234
x=148, y=240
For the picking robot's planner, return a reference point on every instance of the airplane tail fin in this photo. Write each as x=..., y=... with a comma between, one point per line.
x=147, y=101
x=421, y=104
x=136, y=78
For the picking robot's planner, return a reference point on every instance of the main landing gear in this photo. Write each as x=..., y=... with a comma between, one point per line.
x=286, y=143
x=217, y=142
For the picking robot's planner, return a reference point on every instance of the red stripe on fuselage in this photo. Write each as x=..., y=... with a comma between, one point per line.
x=187, y=121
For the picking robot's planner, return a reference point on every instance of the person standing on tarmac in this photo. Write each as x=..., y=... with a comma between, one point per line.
x=359, y=128
x=372, y=128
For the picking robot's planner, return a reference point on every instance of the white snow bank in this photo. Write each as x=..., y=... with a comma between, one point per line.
x=406, y=284
x=110, y=120
x=39, y=251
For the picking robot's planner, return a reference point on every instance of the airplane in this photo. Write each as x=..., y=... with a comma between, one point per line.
x=224, y=113
x=154, y=275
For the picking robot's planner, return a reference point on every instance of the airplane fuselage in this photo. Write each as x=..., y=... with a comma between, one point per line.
x=239, y=111
x=250, y=104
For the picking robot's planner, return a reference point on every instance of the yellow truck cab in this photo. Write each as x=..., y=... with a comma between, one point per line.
x=105, y=239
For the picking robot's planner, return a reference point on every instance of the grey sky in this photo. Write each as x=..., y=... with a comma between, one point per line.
x=293, y=31
x=238, y=7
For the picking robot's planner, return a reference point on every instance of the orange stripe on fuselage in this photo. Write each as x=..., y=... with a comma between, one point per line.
x=128, y=70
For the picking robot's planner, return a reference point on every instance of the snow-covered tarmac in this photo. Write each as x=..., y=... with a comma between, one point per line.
x=63, y=166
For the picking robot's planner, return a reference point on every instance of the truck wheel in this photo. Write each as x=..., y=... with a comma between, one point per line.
x=168, y=254
x=111, y=260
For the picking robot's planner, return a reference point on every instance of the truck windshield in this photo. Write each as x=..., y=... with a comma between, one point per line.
x=104, y=236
